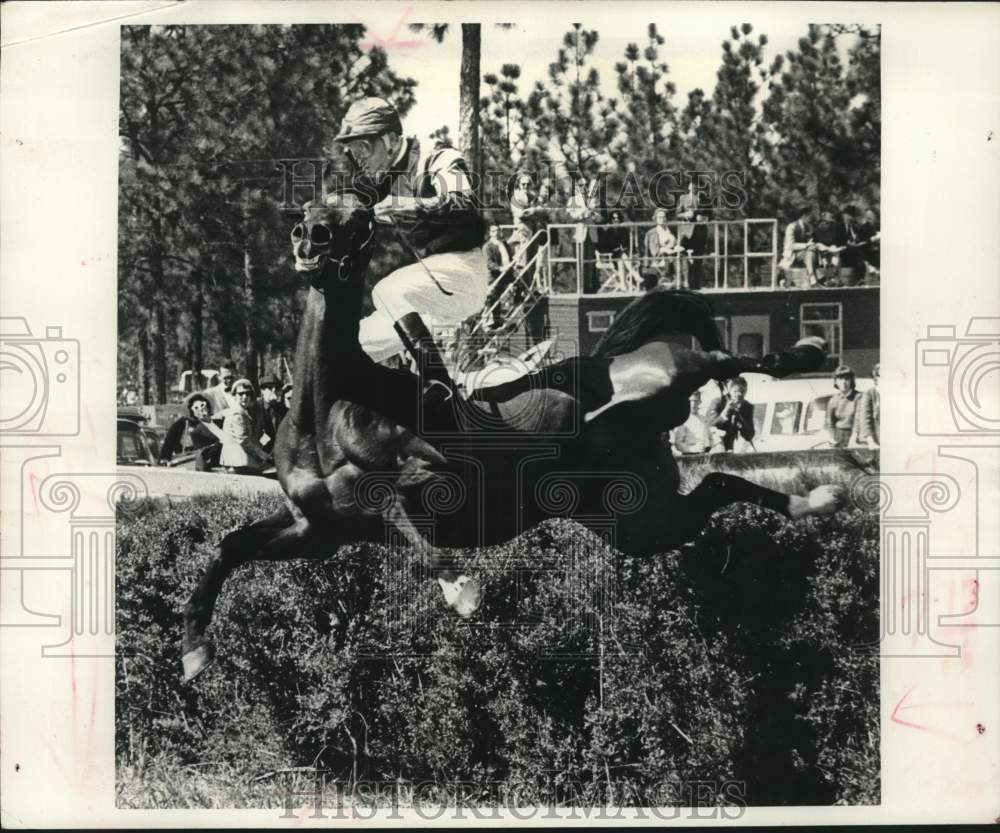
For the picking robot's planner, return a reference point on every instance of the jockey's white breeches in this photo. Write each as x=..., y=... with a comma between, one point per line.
x=411, y=289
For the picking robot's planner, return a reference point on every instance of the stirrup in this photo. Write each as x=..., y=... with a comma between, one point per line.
x=437, y=383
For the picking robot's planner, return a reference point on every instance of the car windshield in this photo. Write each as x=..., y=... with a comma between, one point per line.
x=786, y=417
x=152, y=444
x=130, y=447
x=816, y=415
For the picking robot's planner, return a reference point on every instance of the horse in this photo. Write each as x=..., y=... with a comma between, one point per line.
x=362, y=449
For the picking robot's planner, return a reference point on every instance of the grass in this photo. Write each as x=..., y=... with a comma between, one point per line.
x=734, y=661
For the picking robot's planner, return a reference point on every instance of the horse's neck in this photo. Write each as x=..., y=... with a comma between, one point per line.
x=326, y=352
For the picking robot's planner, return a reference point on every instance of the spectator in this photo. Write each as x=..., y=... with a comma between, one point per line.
x=868, y=410
x=869, y=235
x=286, y=396
x=692, y=437
x=522, y=197
x=848, y=240
x=613, y=239
x=220, y=396
x=196, y=432
x=241, y=452
x=546, y=203
x=583, y=208
x=660, y=244
x=799, y=247
x=693, y=237
x=547, y=197
x=840, y=410
x=827, y=249
x=687, y=205
x=732, y=415
x=496, y=252
x=269, y=412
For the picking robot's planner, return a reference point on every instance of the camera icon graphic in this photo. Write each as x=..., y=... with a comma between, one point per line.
x=958, y=379
x=40, y=378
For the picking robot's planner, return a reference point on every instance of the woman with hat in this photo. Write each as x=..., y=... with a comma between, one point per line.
x=241, y=451
x=841, y=408
x=197, y=432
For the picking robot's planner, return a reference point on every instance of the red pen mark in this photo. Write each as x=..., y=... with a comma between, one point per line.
x=390, y=42
x=33, y=480
x=973, y=584
x=899, y=707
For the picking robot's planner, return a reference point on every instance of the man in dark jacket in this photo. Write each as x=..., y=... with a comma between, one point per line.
x=732, y=414
x=268, y=411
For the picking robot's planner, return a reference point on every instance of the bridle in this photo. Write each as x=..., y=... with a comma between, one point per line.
x=344, y=263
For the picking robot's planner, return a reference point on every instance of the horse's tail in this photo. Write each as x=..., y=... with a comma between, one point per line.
x=657, y=313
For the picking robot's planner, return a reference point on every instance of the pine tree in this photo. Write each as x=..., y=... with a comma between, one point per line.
x=205, y=111
x=568, y=120
x=725, y=134
x=814, y=155
x=646, y=113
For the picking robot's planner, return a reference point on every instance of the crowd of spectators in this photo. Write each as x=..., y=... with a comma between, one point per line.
x=230, y=426
x=675, y=251
x=833, y=248
x=851, y=419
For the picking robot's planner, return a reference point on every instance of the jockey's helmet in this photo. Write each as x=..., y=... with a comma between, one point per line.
x=369, y=117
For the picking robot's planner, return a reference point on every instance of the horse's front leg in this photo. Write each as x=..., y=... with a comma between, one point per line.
x=689, y=514
x=279, y=536
x=806, y=356
x=462, y=593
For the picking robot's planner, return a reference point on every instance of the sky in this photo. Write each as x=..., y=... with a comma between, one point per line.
x=692, y=51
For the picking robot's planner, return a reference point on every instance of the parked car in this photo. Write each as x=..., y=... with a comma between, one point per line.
x=788, y=414
x=137, y=444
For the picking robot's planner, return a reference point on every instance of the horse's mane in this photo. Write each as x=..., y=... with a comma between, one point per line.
x=657, y=313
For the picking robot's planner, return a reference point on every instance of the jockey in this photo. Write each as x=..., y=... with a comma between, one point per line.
x=431, y=201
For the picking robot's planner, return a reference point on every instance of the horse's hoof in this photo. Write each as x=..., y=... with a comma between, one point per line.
x=809, y=353
x=197, y=660
x=825, y=500
x=463, y=595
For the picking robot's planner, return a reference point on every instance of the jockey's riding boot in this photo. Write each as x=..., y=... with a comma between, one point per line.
x=420, y=345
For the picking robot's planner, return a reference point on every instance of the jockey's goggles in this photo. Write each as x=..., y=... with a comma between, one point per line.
x=359, y=149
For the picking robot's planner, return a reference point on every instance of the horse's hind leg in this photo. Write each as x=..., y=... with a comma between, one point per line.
x=806, y=356
x=277, y=537
x=690, y=513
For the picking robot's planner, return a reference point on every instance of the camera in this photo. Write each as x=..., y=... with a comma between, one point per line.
x=958, y=379
x=40, y=379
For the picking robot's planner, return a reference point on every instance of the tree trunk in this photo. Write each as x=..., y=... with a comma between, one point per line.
x=252, y=361
x=159, y=353
x=198, y=336
x=144, y=390
x=468, y=102
x=158, y=321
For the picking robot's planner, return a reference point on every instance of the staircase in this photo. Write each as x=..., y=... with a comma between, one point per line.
x=481, y=341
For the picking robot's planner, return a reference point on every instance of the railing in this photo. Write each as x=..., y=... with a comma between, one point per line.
x=720, y=255
x=732, y=254
x=526, y=284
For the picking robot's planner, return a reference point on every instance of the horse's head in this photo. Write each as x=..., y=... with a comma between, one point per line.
x=329, y=240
